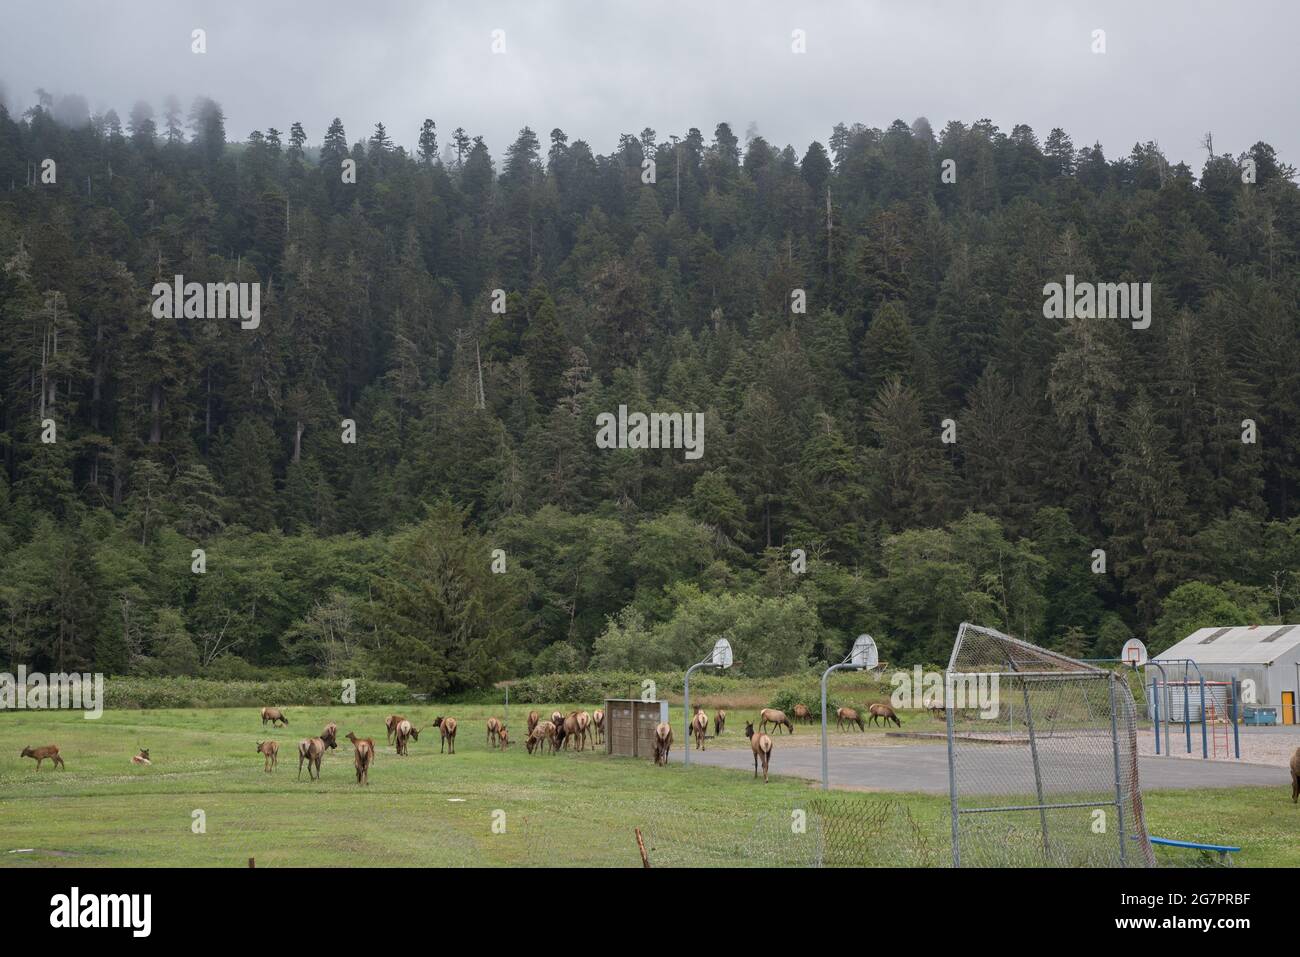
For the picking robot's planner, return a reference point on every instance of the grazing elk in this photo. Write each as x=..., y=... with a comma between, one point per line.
x=404, y=733
x=598, y=722
x=391, y=723
x=533, y=718
x=1295, y=777
x=493, y=731
x=544, y=731
x=448, y=726
x=774, y=717
x=50, y=751
x=142, y=757
x=699, y=728
x=312, y=750
x=761, y=745
x=270, y=752
x=504, y=735
x=719, y=723
x=663, y=742
x=363, y=756
x=850, y=717
x=883, y=712
x=802, y=714
x=275, y=716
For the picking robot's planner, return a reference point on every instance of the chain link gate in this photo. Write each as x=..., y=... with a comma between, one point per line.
x=1042, y=758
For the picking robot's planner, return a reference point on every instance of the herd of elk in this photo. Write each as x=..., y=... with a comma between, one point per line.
x=761, y=745
x=448, y=727
x=699, y=727
x=404, y=732
x=663, y=742
x=275, y=716
x=774, y=717
x=50, y=751
x=850, y=717
x=271, y=755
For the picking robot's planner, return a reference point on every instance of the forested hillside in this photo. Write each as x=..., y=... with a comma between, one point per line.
x=475, y=429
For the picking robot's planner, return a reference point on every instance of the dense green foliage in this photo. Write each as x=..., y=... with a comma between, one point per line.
x=475, y=429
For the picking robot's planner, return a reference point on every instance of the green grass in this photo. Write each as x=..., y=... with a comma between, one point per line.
x=431, y=809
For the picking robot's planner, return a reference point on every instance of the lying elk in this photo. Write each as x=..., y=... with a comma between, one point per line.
x=774, y=717
x=391, y=723
x=598, y=722
x=761, y=745
x=699, y=728
x=719, y=723
x=275, y=716
x=850, y=717
x=142, y=757
x=883, y=712
x=404, y=733
x=533, y=718
x=543, y=731
x=50, y=751
x=270, y=752
x=493, y=731
x=363, y=756
x=663, y=742
x=312, y=750
x=448, y=726
x=802, y=714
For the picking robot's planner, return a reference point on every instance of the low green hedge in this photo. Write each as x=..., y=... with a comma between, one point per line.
x=138, y=692
x=599, y=685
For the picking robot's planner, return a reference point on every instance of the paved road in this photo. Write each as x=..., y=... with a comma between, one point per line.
x=924, y=767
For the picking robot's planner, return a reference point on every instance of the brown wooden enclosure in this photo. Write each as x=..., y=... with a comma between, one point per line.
x=630, y=726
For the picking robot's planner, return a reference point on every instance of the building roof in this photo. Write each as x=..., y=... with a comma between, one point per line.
x=1248, y=645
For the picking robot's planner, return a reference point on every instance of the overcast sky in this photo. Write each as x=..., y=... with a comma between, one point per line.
x=1171, y=70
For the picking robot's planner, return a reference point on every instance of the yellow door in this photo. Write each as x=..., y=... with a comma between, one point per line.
x=1288, y=707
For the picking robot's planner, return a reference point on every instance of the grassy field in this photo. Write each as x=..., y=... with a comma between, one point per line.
x=478, y=807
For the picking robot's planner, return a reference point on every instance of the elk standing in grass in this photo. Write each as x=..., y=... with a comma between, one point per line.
x=543, y=732
x=569, y=728
x=533, y=718
x=584, y=730
x=275, y=716
x=1295, y=777
x=850, y=717
x=493, y=731
x=448, y=726
x=557, y=718
x=404, y=733
x=719, y=723
x=391, y=723
x=363, y=757
x=802, y=714
x=330, y=732
x=761, y=745
x=142, y=757
x=270, y=752
x=883, y=712
x=504, y=735
x=774, y=717
x=312, y=750
x=598, y=722
x=699, y=728
x=50, y=751
x=663, y=742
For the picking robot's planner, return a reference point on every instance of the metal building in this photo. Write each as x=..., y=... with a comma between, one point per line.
x=1266, y=655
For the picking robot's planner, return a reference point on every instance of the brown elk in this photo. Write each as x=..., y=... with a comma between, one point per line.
x=598, y=722
x=142, y=757
x=584, y=730
x=569, y=730
x=761, y=745
x=504, y=735
x=533, y=718
x=493, y=731
x=883, y=712
x=50, y=751
x=1295, y=776
x=850, y=717
x=275, y=716
x=270, y=752
x=557, y=718
x=699, y=728
x=802, y=714
x=774, y=717
x=312, y=750
x=331, y=730
x=663, y=742
x=544, y=731
x=448, y=726
x=404, y=733
x=363, y=756
x=719, y=723
x=391, y=723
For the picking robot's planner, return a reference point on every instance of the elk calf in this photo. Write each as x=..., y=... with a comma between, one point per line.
x=493, y=731
x=275, y=716
x=50, y=751
x=504, y=735
x=543, y=732
x=761, y=745
x=663, y=742
x=448, y=726
x=270, y=752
